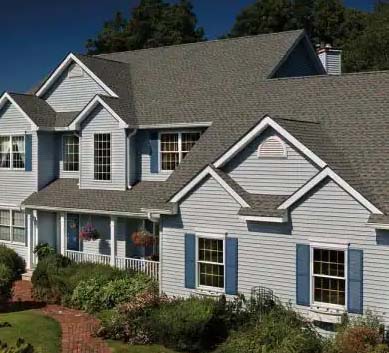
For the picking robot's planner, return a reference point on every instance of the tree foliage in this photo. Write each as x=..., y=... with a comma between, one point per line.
x=153, y=23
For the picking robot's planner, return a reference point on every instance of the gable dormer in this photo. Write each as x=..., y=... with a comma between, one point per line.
x=72, y=86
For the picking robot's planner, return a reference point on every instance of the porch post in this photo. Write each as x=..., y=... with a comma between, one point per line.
x=113, y=244
x=35, y=235
x=29, y=242
x=63, y=231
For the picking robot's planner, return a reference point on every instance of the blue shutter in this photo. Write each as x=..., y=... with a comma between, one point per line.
x=303, y=253
x=355, y=281
x=231, y=266
x=190, y=261
x=28, y=155
x=154, y=153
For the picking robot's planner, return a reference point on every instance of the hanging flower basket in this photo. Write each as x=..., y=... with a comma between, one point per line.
x=89, y=232
x=142, y=238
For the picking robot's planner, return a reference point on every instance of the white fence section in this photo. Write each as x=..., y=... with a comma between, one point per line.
x=150, y=268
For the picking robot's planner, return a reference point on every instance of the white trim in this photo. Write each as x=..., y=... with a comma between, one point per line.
x=264, y=219
x=7, y=96
x=113, y=226
x=331, y=244
x=63, y=222
x=63, y=66
x=174, y=125
x=208, y=171
x=265, y=123
x=327, y=172
x=29, y=242
x=63, y=153
x=75, y=125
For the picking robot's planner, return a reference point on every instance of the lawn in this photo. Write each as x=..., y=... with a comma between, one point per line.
x=120, y=347
x=42, y=332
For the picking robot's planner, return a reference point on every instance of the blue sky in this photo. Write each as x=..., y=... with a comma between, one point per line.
x=37, y=34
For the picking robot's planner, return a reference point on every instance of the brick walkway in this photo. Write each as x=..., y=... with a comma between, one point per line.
x=77, y=326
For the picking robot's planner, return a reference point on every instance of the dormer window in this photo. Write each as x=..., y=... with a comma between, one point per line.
x=75, y=71
x=272, y=147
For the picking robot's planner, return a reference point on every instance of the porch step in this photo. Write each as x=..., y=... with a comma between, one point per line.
x=27, y=276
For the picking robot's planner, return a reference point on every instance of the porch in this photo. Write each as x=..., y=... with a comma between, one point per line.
x=113, y=241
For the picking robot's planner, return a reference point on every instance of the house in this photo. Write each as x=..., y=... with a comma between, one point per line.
x=250, y=163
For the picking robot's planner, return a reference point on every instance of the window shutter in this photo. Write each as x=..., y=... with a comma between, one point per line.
x=231, y=257
x=303, y=274
x=154, y=167
x=190, y=261
x=355, y=281
x=28, y=153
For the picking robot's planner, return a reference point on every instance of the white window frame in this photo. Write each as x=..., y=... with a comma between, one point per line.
x=79, y=155
x=180, y=158
x=212, y=237
x=11, y=137
x=110, y=157
x=11, y=226
x=285, y=152
x=336, y=247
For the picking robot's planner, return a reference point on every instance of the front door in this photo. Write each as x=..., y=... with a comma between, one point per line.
x=73, y=230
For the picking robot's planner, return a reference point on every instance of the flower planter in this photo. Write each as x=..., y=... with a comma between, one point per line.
x=89, y=232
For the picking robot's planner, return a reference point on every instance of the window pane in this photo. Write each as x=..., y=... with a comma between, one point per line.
x=18, y=235
x=71, y=154
x=188, y=140
x=170, y=157
x=169, y=142
x=211, y=250
x=102, y=157
x=5, y=152
x=4, y=218
x=18, y=152
x=5, y=233
x=211, y=275
x=18, y=219
x=169, y=161
x=328, y=262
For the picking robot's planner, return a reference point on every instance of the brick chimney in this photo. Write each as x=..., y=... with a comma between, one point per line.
x=331, y=59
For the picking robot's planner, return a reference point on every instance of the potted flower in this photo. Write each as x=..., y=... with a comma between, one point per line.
x=89, y=232
x=142, y=238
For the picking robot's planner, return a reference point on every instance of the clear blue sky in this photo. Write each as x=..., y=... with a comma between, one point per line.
x=37, y=34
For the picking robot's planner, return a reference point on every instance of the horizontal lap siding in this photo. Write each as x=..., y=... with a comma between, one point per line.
x=102, y=121
x=270, y=176
x=267, y=252
x=72, y=94
x=47, y=158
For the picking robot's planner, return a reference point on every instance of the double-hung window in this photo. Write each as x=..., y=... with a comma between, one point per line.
x=12, y=226
x=70, y=153
x=12, y=152
x=329, y=281
x=102, y=157
x=174, y=147
x=210, y=263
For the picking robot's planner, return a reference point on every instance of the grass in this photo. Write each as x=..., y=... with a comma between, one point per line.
x=42, y=332
x=120, y=347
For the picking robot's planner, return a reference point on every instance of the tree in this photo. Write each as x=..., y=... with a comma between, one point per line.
x=152, y=24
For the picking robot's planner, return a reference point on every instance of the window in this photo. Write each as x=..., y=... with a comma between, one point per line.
x=174, y=147
x=71, y=153
x=329, y=281
x=272, y=147
x=12, y=152
x=210, y=262
x=102, y=157
x=12, y=226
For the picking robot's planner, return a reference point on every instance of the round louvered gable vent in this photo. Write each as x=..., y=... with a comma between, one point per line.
x=272, y=147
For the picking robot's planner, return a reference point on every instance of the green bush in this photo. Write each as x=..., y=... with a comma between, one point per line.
x=13, y=261
x=97, y=294
x=6, y=280
x=43, y=250
x=192, y=324
x=21, y=347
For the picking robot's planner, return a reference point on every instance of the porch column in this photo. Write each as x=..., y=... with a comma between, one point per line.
x=35, y=234
x=113, y=242
x=62, y=220
x=29, y=241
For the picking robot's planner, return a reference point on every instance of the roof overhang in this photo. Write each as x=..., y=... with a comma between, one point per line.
x=7, y=97
x=97, y=100
x=63, y=66
x=328, y=173
x=195, y=181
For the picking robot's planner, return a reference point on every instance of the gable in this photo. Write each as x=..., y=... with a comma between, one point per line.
x=12, y=120
x=100, y=120
x=72, y=92
x=278, y=175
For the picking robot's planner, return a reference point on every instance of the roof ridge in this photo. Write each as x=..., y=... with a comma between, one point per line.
x=201, y=42
x=101, y=58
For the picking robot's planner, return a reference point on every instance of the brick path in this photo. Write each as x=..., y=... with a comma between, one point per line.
x=77, y=326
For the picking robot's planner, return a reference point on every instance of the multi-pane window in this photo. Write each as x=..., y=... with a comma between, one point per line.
x=12, y=226
x=102, y=157
x=71, y=153
x=175, y=146
x=210, y=262
x=329, y=283
x=12, y=152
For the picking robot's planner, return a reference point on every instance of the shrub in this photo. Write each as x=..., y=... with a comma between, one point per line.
x=192, y=324
x=43, y=250
x=13, y=261
x=20, y=347
x=6, y=280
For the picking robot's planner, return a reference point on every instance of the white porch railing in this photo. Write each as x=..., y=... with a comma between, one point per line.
x=150, y=268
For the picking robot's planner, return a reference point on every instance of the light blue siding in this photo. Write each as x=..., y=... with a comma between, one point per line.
x=101, y=121
x=267, y=252
x=280, y=176
x=72, y=94
x=47, y=158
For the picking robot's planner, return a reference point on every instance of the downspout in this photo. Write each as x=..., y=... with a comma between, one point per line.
x=129, y=137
